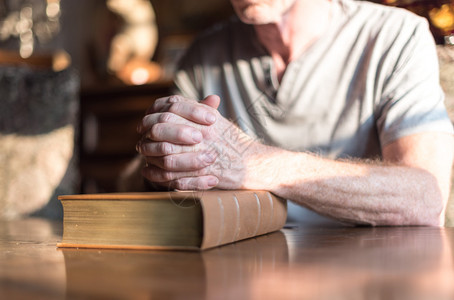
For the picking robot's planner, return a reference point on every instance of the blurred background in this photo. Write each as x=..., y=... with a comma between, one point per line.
x=77, y=75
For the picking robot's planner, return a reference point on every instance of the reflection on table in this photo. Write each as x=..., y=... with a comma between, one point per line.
x=298, y=262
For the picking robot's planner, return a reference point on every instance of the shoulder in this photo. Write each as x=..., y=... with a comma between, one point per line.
x=386, y=32
x=382, y=19
x=352, y=7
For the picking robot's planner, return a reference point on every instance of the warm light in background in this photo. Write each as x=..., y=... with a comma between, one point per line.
x=443, y=17
x=133, y=46
x=30, y=21
x=139, y=71
x=140, y=76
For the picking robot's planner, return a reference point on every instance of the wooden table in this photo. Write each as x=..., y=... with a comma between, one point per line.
x=295, y=263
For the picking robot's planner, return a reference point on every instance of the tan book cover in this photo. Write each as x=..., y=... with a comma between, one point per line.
x=169, y=220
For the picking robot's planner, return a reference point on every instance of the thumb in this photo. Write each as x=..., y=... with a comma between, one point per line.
x=212, y=101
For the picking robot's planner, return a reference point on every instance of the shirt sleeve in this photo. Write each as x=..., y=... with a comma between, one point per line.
x=412, y=100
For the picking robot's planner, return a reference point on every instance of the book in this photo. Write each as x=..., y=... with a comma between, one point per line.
x=192, y=220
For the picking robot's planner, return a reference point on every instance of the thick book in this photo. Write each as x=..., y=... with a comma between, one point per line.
x=169, y=220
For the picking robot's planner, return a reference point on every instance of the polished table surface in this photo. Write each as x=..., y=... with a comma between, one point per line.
x=299, y=262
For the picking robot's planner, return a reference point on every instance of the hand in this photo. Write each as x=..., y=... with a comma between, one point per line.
x=189, y=145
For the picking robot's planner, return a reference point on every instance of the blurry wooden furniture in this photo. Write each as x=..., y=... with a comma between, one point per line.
x=299, y=262
x=57, y=61
x=108, y=137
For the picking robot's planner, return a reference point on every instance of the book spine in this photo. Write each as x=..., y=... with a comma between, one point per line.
x=230, y=217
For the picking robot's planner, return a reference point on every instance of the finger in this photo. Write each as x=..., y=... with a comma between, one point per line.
x=166, y=117
x=183, y=162
x=212, y=101
x=148, y=148
x=195, y=183
x=195, y=112
x=174, y=133
x=186, y=108
x=160, y=103
x=190, y=183
x=158, y=175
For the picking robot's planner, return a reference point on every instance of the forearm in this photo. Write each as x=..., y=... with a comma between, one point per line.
x=189, y=145
x=358, y=192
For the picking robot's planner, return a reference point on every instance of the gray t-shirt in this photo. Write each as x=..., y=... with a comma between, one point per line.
x=371, y=79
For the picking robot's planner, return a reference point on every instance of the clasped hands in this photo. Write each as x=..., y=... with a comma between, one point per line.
x=188, y=145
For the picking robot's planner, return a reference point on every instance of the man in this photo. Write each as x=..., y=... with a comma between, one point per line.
x=339, y=107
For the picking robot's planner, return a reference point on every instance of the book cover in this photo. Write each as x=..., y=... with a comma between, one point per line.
x=169, y=220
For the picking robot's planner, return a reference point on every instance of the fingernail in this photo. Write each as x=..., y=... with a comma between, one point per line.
x=210, y=118
x=139, y=128
x=197, y=136
x=138, y=147
x=213, y=181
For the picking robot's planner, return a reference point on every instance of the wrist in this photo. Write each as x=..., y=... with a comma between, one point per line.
x=263, y=165
x=280, y=171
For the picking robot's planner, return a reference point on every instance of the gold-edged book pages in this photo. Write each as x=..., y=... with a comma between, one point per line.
x=192, y=220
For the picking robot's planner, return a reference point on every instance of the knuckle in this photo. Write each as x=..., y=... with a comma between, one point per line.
x=144, y=123
x=167, y=176
x=185, y=184
x=197, y=162
x=155, y=131
x=146, y=119
x=175, y=107
x=168, y=162
x=178, y=184
x=183, y=133
x=157, y=103
x=175, y=98
x=196, y=112
x=194, y=162
x=165, y=148
x=165, y=117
